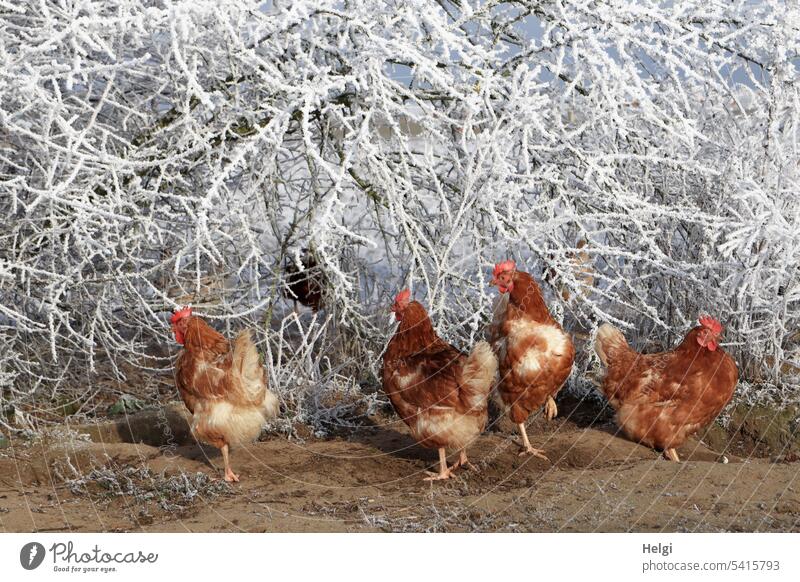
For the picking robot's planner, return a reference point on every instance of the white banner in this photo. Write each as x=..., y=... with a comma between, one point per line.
x=387, y=557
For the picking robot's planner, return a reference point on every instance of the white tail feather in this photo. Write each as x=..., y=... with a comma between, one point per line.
x=239, y=423
x=479, y=373
x=248, y=364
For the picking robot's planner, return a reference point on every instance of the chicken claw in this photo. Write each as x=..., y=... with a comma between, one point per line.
x=438, y=476
x=230, y=476
x=445, y=472
x=671, y=455
x=550, y=408
x=464, y=462
x=527, y=449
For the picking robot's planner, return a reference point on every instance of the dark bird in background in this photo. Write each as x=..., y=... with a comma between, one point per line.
x=305, y=284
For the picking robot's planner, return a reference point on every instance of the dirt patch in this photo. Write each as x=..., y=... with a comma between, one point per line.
x=125, y=477
x=764, y=431
x=163, y=427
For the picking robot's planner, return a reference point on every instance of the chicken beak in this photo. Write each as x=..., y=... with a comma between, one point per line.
x=714, y=343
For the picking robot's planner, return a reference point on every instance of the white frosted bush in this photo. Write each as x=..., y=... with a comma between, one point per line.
x=155, y=153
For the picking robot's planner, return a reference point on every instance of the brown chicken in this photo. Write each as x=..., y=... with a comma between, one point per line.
x=534, y=354
x=662, y=399
x=223, y=386
x=440, y=393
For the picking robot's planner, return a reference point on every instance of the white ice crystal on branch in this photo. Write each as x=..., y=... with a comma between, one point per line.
x=641, y=158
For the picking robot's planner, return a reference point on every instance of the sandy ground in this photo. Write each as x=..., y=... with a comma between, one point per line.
x=371, y=480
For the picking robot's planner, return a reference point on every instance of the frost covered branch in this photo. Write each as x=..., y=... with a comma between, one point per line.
x=641, y=158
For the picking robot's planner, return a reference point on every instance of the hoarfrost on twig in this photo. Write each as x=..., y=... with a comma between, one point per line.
x=644, y=157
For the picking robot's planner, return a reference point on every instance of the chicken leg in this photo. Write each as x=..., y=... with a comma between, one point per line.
x=528, y=449
x=463, y=461
x=550, y=408
x=444, y=471
x=671, y=455
x=230, y=476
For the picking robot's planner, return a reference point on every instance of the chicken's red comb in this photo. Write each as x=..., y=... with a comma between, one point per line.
x=508, y=265
x=403, y=296
x=711, y=324
x=180, y=314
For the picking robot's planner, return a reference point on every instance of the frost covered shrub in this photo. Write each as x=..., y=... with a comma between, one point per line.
x=641, y=158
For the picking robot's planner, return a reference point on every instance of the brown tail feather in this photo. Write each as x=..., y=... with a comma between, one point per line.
x=610, y=344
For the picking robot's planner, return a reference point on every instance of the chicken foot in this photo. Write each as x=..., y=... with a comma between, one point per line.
x=463, y=461
x=527, y=448
x=550, y=408
x=230, y=476
x=445, y=472
x=671, y=455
